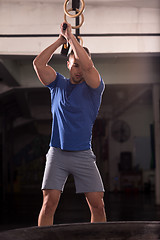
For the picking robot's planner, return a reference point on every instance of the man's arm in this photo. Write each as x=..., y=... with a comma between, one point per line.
x=46, y=73
x=91, y=74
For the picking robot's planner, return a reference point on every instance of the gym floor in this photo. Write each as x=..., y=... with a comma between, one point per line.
x=22, y=210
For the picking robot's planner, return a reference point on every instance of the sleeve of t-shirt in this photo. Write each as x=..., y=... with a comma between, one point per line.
x=99, y=90
x=56, y=82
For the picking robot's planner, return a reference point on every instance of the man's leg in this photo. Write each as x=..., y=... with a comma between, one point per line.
x=50, y=203
x=96, y=205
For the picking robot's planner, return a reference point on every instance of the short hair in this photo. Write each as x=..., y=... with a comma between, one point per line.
x=85, y=48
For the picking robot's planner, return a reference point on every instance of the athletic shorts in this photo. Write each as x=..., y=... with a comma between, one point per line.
x=81, y=164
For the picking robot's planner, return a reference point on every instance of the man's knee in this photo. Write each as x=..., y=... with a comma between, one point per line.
x=96, y=205
x=50, y=201
x=99, y=205
x=95, y=200
x=48, y=209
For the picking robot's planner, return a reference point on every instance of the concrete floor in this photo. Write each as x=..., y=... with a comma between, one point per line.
x=22, y=210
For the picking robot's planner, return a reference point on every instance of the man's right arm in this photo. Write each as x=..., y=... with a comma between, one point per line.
x=46, y=73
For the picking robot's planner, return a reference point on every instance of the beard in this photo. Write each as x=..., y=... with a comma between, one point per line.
x=77, y=80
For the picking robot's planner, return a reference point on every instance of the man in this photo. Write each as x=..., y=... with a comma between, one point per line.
x=74, y=103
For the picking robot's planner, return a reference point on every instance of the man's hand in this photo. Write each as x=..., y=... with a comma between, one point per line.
x=66, y=33
x=62, y=39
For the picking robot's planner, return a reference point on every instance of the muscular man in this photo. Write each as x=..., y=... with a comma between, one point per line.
x=74, y=104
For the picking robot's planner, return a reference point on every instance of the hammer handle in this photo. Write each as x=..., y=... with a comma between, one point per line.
x=64, y=26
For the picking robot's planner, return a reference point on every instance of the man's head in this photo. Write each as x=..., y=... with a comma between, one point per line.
x=85, y=48
x=76, y=73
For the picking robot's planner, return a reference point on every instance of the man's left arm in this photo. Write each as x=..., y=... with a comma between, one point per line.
x=91, y=75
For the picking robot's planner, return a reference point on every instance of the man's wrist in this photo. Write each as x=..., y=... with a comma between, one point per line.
x=60, y=42
x=71, y=39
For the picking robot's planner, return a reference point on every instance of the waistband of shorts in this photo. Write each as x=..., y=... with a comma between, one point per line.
x=63, y=150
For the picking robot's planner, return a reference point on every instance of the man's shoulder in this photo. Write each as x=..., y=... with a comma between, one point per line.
x=99, y=89
x=59, y=81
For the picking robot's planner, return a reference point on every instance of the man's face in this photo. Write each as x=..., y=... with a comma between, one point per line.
x=76, y=74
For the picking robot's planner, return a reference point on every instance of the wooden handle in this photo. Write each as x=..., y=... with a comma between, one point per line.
x=64, y=26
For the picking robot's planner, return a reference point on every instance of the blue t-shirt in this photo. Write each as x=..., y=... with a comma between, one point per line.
x=74, y=109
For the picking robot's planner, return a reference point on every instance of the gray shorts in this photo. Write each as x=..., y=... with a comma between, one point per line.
x=81, y=164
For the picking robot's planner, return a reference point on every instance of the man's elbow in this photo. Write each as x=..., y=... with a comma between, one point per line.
x=37, y=64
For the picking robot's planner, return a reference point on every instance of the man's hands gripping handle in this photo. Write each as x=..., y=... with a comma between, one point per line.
x=66, y=46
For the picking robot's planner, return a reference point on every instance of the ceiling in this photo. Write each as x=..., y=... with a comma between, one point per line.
x=111, y=3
